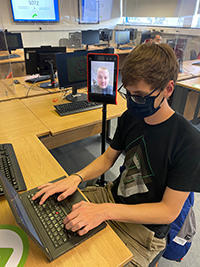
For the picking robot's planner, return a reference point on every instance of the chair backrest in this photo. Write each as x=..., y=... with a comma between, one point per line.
x=65, y=42
x=193, y=54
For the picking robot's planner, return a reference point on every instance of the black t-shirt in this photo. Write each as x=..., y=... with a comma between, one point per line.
x=165, y=154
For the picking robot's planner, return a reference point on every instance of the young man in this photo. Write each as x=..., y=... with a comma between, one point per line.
x=102, y=86
x=161, y=165
x=156, y=37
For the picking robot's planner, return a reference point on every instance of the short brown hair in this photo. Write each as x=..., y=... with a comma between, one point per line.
x=156, y=64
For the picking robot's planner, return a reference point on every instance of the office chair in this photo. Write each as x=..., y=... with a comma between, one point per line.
x=193, y=54
x=156, y=259
x=109, y=50
x=65, y=42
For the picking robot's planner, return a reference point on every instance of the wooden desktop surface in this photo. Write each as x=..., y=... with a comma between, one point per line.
x=21, y=126
x=189, y=83
x=188, y=96
x=70, y=128
x=38, y=166
x=18, y=120
x=20, y=90
x=189, y=70
x=19, y=52
x=43, y=108
x=6, y=93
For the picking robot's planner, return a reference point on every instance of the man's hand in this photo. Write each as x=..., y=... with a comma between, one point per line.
x=68, y=186
x=84, y=217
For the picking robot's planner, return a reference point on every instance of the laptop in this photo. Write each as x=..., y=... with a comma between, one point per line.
x=43, y=224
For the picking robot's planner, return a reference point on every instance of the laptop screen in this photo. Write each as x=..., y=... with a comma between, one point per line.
x=17, y=207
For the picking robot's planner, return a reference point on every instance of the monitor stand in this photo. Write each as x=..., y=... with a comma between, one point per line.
x=53, y=84
x=75, y=96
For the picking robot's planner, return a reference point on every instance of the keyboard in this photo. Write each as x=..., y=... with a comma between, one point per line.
x=9, y=56
x=101, y=44
x=51, y=216
x=76, y=107
x=10, y=168
x=196, y=63
x=125, y=48
x=38, y=79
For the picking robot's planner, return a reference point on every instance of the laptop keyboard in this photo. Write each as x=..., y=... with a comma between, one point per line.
x=51, y=216
x=10, y=168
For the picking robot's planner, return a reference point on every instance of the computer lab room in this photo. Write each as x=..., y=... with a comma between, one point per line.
x=63, y=107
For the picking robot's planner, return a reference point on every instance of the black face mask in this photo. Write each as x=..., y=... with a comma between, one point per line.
x=141, y=111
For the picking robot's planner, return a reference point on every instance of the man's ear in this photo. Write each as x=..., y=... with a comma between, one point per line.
x=168, y=90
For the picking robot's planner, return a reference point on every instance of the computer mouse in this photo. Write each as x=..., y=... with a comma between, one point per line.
x=16, y=81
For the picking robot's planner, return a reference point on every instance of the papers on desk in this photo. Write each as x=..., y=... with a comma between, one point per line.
x=196, y=85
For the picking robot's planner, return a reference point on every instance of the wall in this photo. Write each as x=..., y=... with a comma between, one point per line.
x=37, y=34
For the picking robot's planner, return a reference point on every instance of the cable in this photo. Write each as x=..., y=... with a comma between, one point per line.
x=32, y=86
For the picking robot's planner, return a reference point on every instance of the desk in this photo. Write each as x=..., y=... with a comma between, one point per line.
x=20, y=52
x=186, y=99
x=22, y=122
x=38, y=166
x=190, y=71
x=6, y=93
x=69, y=128
x=18, y=64
x=21, y=89
x=17, y=120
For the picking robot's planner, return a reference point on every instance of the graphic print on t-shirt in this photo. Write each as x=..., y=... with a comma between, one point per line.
x=137, y=171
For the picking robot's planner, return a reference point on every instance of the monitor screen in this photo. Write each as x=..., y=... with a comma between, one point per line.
x=42, y=60
x=33, y=56
x=14, y=41
x=3, y=46
x=72, y=69
x=105, y=35
x=75, y=38
x=122, y=37
x=146, y=35
x=90, y=37
x=133, y=34
x=29, y=10
x=17, y=206
x=171, y=42
x=102, y=77
x=88, y=11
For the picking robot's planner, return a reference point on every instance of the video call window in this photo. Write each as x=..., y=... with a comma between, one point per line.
x=102, y=77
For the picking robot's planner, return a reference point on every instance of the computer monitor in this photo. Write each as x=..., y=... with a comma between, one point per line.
x=14, y=41
x=171, y=42
x=178, y=45
x=105, y=35
x=3, y=46
x=122, y=37
x=133, y=34
x=146, y=35
x=42, y=60
x=72, y=72
x=90, y=37
x=75, y=38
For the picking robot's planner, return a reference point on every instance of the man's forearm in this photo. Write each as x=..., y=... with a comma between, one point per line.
x=151, y=213
x=163, y=212
x=99, y=165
